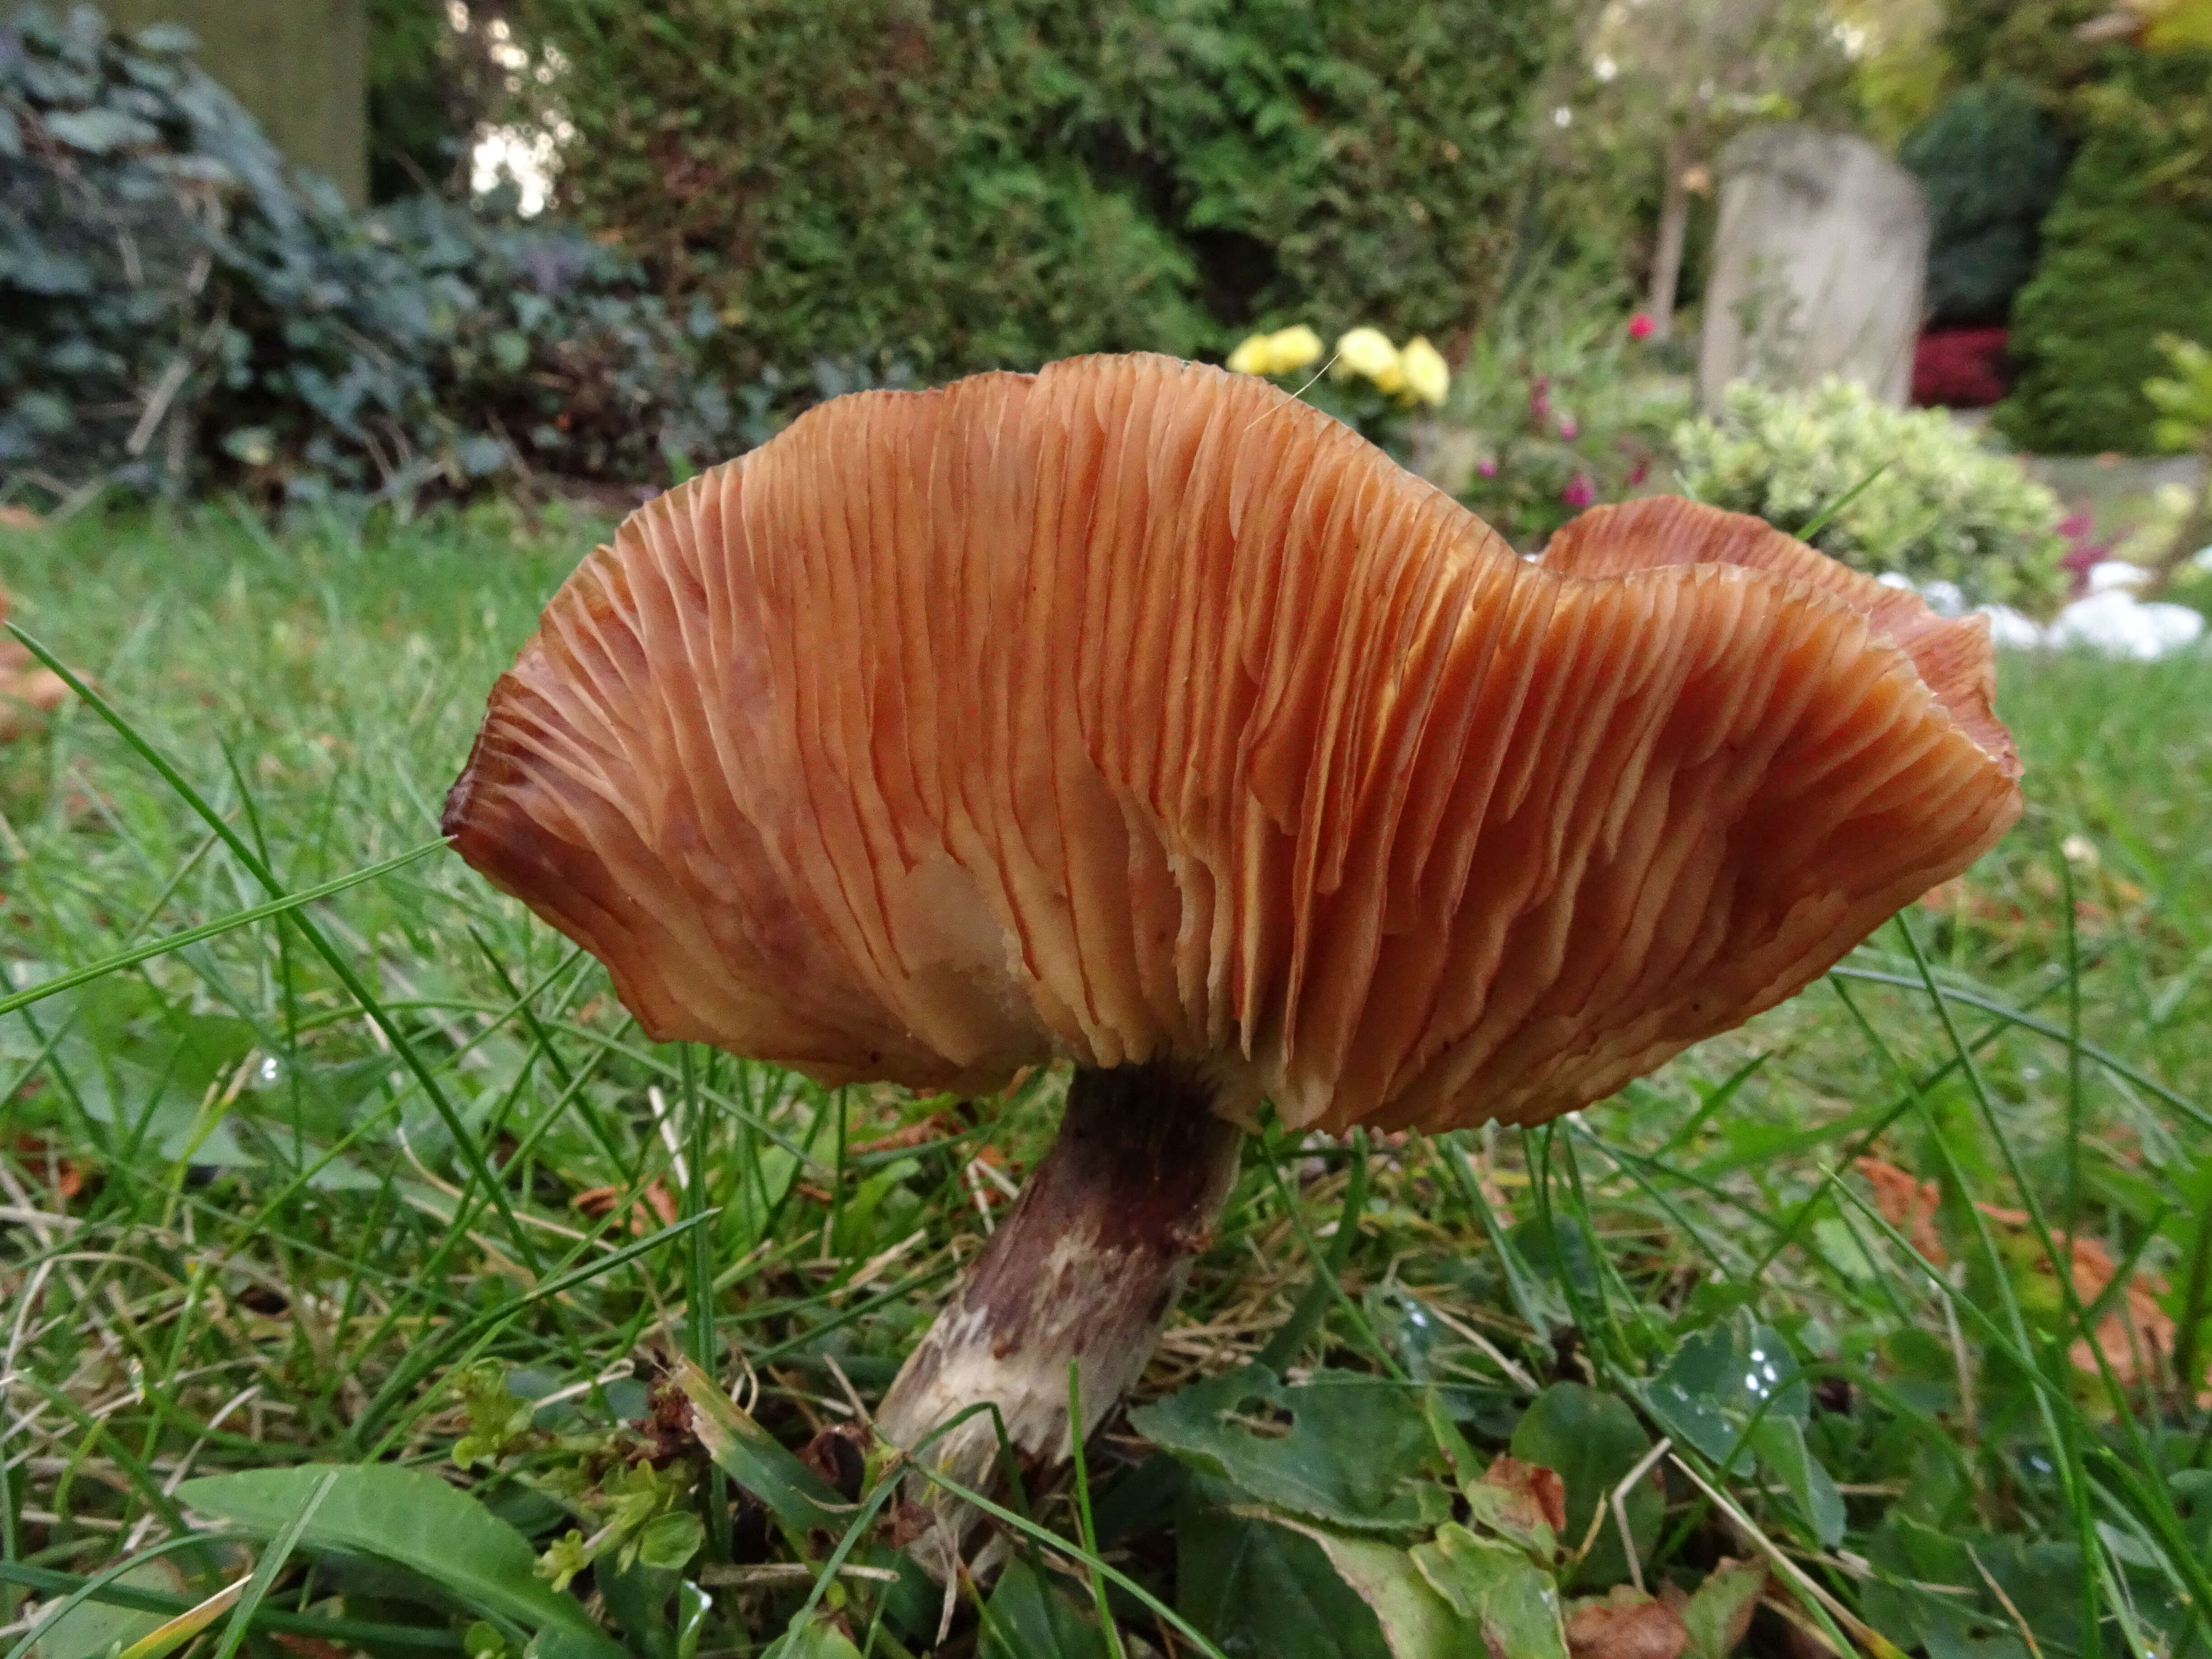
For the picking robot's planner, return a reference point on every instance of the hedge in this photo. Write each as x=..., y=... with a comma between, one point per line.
x=961, y=187
x=2127, y=256
x=1990, y=159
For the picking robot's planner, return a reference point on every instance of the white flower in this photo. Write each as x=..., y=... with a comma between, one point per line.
x=2121, y=625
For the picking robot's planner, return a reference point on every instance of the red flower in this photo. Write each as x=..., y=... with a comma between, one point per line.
x=1580, y=491
x=1640, y=326
x=1959, y=368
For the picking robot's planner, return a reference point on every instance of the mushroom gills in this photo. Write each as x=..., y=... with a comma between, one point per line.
x=1084, y=1271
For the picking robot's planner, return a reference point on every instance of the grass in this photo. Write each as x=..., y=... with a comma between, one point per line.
x=386, y=1173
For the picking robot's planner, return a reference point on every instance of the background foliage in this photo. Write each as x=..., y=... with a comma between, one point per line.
x=1930, y=503
x=184, y=310
x=2125, y=253
x=994, y=186
x=1990, y=159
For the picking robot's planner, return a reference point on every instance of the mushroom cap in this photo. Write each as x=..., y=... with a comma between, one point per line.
x=1135, y=710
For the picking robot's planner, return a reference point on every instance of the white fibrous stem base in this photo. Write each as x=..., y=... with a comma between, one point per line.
x=1085, y=1271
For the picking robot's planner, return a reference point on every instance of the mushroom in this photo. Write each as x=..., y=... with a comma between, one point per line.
x=1136, y=714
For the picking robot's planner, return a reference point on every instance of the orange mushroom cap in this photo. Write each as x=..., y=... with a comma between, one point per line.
x=1135, y=710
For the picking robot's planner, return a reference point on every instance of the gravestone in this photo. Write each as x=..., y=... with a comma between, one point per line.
x=1817, y=266
x=298, y=65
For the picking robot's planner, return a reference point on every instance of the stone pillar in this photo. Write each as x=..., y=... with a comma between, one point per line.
x=1817, y=264
x=298, y=65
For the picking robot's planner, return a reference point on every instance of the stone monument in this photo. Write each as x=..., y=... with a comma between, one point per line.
x=298, y=66
x=1817, y=266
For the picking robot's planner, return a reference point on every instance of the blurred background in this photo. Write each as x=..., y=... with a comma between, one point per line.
x=389, y=252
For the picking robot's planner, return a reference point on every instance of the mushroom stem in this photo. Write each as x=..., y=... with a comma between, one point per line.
x=1085, y=1268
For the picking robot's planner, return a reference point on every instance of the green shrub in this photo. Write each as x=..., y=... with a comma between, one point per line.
x=973, y=187
x=2127, y=251
x=1941, y=509
x=183, y=309
x=1990, y=159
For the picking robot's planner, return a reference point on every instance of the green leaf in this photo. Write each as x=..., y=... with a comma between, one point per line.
x=1344, y=1449
x=1719, y=1613
x=413, y=1519
x=756, y=1460
x=670, y=1542
x=97, y=131
x=1781, y=1445
x=94, y=1628
x=1417, y=1621
x=637, y=1598
x=1493, y=1586
x=1260, y=1587
x=813, y=1638
x=1593, y=1440
x=1027, y=1618
x=692, y=1607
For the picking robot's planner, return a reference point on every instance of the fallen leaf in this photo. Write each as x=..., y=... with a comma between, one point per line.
x=654, y=1202
x=1907, y=1205
x=1533, y=1494
x=1624, y=1625
x=2133, y=1335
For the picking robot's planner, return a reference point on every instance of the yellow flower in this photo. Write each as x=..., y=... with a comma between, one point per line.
x=1283, y=352
x=1293, y=349
x=1253, y=356
x=1368, y=351
x=1428, y=377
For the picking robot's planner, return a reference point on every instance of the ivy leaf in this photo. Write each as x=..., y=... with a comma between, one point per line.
x=99, y=131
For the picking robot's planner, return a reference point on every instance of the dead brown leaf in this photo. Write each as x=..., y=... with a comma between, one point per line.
x=1542, y=1489
x=1624, y=1625
x=2133, y=1336
x=653, y=1203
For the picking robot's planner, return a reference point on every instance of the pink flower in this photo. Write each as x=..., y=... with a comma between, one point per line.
x=1568, y=429
x=1639, y=472
x=1486, y=468
x=1539, y=400
x=1640, y=326
x=1580, y=491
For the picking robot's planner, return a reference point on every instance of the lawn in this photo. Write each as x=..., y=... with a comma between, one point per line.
x=365, y=1182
